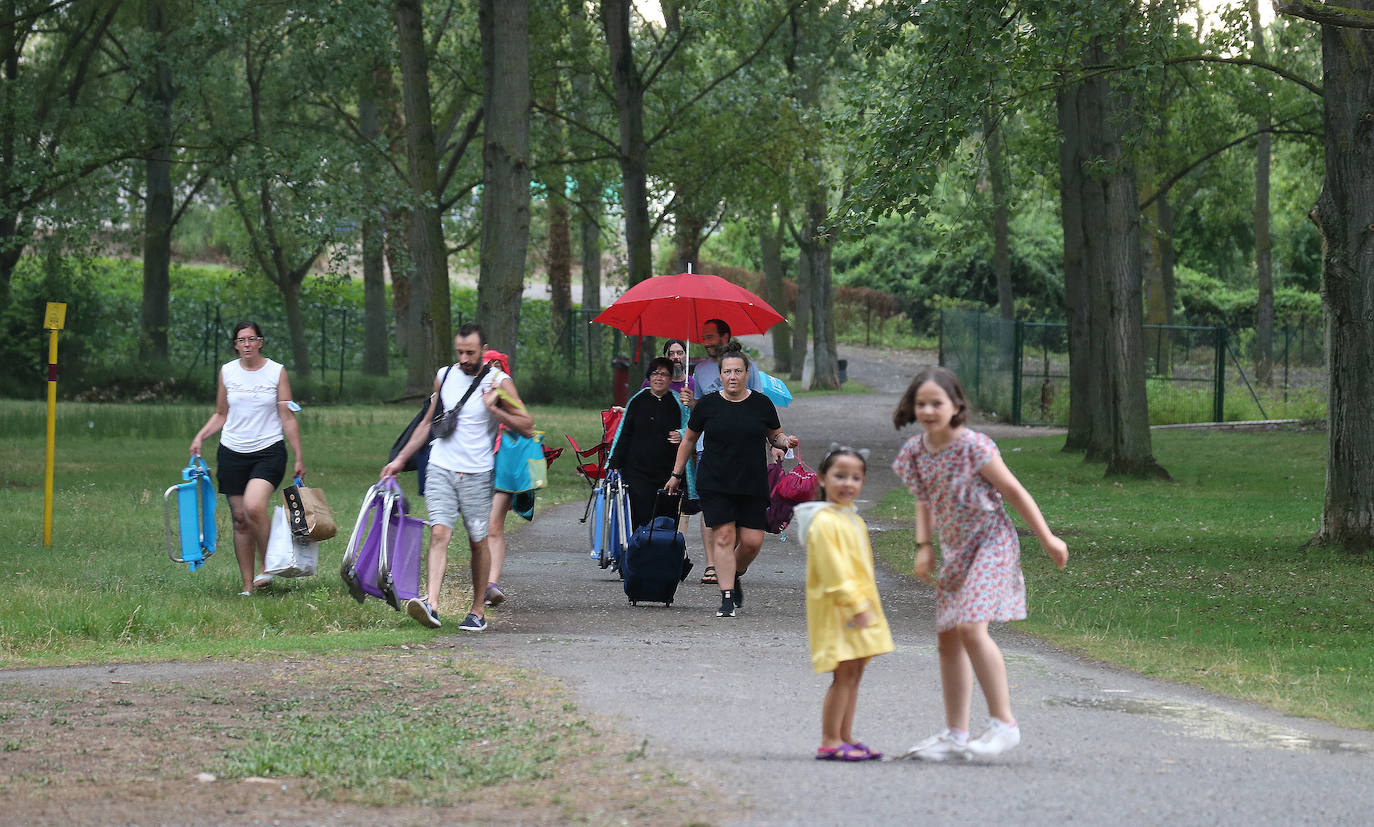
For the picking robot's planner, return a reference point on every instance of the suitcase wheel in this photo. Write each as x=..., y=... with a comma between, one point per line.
x=634, y=602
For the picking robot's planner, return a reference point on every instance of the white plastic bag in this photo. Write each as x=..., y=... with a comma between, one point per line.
x=288, y=555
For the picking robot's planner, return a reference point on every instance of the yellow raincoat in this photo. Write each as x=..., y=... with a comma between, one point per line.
x=839, y=585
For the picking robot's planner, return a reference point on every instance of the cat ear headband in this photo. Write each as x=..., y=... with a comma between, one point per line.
x=835, y=446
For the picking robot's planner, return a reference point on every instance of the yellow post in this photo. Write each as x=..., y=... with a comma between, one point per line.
x=53, y=321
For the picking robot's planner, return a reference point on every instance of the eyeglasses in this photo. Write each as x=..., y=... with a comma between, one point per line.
x=247, y=340
x=663, y=373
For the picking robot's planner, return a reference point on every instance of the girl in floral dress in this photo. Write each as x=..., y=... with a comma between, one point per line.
x=959, y=481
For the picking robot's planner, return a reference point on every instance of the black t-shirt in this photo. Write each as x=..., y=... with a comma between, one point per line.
x=736, y=457
x=644, y=448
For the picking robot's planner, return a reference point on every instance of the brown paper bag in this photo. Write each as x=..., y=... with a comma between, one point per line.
x=308, y=513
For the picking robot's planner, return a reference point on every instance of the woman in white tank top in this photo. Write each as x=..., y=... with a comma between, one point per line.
x=252, y=408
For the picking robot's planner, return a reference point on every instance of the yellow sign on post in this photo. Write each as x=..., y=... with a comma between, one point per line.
x=54, y=319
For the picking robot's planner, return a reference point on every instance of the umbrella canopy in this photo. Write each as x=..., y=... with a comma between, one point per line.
x=677, y=306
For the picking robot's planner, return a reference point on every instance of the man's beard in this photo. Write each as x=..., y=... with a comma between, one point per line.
x=469, y=369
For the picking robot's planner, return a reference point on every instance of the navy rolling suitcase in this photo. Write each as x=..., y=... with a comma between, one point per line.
x=655, y=560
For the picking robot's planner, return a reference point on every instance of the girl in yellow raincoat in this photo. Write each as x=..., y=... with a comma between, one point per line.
x=843, y=614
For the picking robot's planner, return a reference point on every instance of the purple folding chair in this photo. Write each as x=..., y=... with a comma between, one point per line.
x=383, y=555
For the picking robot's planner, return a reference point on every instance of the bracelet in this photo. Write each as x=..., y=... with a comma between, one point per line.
x=920, y=543
x=675, y=475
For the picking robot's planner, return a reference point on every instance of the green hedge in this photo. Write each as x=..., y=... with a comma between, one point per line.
x=98, y=351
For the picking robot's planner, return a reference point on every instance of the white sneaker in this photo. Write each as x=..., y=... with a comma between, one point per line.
x=939, y=747
x=997, y=739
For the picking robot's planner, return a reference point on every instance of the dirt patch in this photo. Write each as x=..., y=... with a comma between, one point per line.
x=133, y=748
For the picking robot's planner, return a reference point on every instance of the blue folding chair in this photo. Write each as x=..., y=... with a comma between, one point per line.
x=193, y=540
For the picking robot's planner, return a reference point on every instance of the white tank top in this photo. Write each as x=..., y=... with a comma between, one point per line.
x=253, y=422
x=468, y=451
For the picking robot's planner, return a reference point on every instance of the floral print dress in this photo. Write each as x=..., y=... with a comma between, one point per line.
x=980, y=557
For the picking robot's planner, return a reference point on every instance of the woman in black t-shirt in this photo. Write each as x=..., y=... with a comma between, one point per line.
x=732, y=479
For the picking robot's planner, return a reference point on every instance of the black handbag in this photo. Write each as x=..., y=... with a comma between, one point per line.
x=410, y=430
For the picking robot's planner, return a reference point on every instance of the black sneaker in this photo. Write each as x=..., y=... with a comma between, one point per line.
x=727, y=604
x=473, y=623
x=423, y=613
x=739, y=590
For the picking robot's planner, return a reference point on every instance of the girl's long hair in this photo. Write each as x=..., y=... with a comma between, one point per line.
x=947, y=382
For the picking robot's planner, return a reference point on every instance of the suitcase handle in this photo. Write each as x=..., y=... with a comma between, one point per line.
x=658, y=498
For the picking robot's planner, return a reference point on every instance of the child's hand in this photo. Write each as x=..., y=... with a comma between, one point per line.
x=1058, y=551
x=862, y=620
x=925, y=564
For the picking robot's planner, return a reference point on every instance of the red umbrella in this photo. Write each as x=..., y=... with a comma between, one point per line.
x=673, y=305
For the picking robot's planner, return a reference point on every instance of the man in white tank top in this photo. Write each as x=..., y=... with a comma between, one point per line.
x=459, y=478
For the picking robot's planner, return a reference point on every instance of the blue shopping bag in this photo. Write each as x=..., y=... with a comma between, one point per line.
x=520, y=464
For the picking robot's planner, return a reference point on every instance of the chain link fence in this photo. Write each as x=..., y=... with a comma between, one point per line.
x=1018, y=371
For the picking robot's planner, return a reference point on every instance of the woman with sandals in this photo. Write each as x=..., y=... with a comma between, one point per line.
x=255, y=416
x=732, y=479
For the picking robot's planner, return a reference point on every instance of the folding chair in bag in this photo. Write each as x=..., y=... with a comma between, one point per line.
x=594, y=472
x=609, y=530
x=383, y=554
x=193, y=541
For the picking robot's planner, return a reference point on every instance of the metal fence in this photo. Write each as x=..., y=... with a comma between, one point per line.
x=1018, y=371
x=577, y=358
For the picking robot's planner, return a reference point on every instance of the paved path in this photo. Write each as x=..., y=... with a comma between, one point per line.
x=734, y=704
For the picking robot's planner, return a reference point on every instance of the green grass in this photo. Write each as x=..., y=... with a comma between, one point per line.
x=106, y=590
x=1205, y=580
x=459, y=731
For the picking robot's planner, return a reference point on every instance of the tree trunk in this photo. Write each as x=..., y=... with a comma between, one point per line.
x=801, y=320
x=770, y=251
x=825, y=371
x=12, y=241
x=396, y=238
x=1108, y=233
x=430, y=311
x=1130, y=451
x=1264, y=266
x=560, y=265
x=1345, y=216
x=505, y=26
x=374, y=270
x=687, y=238
x=158, y=208
x=1082, y=377
x=634, y=151
x=295, y=327
x=1000, y=182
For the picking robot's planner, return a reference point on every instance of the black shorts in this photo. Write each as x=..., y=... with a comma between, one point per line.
x=235, y=469
x=743, y=510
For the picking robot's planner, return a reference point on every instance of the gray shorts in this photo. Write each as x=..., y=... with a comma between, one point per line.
x=450, y=493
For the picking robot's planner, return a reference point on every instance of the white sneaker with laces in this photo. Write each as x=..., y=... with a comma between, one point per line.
x=997, y=739
x=941, y=746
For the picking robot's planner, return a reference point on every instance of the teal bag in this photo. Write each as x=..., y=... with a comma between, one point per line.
x=520, y=464
x=775, y=389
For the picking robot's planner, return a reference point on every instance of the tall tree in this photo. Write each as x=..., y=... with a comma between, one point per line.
x=158, y=207
x=1264, y=260
x=371, y=88
x=632, y=145
x=53, y=135
x=1345, y=215
x=430, y=311
x=999, y=180
x=771, y=236
x=505, y=27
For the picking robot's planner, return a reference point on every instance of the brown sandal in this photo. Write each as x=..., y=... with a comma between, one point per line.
x=708, y=577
